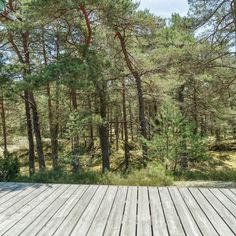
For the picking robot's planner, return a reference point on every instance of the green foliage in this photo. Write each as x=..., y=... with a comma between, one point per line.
x=77, y=123
x=210, y=175
x=173, y=139
x=9, y=167
x=2, y=4
x=150, y=176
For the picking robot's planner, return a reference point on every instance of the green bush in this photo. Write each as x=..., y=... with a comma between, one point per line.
x=9, y=167
x=209, y=175
x=173, y=142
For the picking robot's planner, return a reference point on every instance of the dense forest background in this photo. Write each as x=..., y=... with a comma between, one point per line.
x=102, y=92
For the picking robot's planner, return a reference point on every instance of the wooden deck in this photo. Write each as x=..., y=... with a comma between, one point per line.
x=45, y=209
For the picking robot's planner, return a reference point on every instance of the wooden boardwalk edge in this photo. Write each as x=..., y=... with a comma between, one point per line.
x=60, y=209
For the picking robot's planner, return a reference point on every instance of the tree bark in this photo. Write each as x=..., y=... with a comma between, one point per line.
x=30, y=134
x=37, y=132
x=53, y=121
x=4, y=127
x=126, y=141
x=54, y=127
x=136, y=75
x=104, y=127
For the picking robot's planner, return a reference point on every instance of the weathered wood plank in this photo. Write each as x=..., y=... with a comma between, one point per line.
x=144, y=224
x=129, y=219
x=74, y=215
x=21, y=224
x=174, y=225
x=18, y=198
x=115, y=219
x=190, y=226
x=15, y=208
x=224, y=200
x=231, y=196
x=199, y=216
x=56, y=220
x=157, y=214
x=7, y=223
x=233, y=190
x=39, y=209
x=211, y=214
x=39, y=222
x=12, y=190
x=87, y=217
x=99, y=223
x=223, y=212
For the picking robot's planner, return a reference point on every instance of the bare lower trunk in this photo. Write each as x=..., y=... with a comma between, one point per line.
x=75, y=142
x=4, y=127
x=142, y=119
x=104, y=128
x=126, y=141
x=53, y=126
x=37, y=132
x=30, y=134
x=131, y=122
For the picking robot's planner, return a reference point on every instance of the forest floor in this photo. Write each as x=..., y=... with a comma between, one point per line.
x=218, y=171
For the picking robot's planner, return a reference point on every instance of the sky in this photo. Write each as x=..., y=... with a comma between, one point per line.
x=164, y=8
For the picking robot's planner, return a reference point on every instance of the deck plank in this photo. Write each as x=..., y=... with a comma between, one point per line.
x=158, y=219
x=222, y=211
x=11, y=220
x=174, y=225
x=55, y=221
x=74, y=215
x=189, y=224
x=144, y=223
x=224, y=200
x=18, y=198
x=40, y=221
x=114, y=221
x=100, y=220
x=61, y=210
x=129, y=220
x=21, y=224
x=11, y=191
x=87, y=217
x=211, y=214
x=231, y=196
x=233, y=190
x=202, y=221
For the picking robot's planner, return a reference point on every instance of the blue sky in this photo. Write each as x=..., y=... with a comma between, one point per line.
x=164, y=8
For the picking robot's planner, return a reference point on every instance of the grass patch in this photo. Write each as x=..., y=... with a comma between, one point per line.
x=150, y=176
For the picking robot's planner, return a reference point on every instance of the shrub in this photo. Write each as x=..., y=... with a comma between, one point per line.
x=9, y=167
x=173, y=142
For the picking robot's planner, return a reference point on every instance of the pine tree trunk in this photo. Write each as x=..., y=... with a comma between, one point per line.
x=75, y=145
x=30, y=134
x=91, y=142
x=4, y=127
x=131, y=122
x=117, y=132
x=126, y=141
x=104, y=128
x=53, y=126
x=195, y=110
x=137, y=77
x=53, y=122
x=37, y=132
